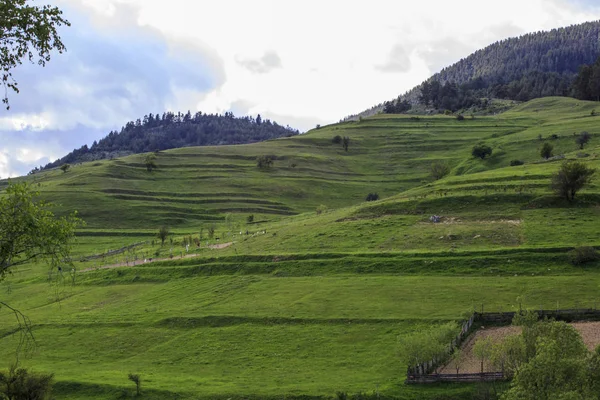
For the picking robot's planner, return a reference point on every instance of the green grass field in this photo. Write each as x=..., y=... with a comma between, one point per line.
x=305, y=304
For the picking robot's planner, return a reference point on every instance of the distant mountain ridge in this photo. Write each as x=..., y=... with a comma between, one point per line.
x=530, y=66
x=172, y=130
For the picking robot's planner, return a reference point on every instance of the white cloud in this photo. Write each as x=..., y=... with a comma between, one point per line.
x=334, y=52
x=265, y=64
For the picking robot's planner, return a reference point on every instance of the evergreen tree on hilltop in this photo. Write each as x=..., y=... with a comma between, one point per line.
x=152, y=133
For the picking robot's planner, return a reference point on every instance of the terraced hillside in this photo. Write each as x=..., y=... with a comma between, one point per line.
x=303, y=305
x=191, y=185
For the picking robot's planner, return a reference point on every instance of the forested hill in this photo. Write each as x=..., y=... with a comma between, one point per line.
x=177, y=130
x=531, y=66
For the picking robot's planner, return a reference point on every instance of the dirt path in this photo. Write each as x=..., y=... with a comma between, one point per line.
x=590, y=332
x=151, y=260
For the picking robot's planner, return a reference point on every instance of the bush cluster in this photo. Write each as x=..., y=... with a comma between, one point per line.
x=372, y=197
x=584, y=255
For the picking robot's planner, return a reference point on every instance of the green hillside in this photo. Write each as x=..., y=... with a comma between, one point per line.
x=305, y=304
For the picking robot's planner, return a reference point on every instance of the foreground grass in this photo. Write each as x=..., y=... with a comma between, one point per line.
x=259, y=335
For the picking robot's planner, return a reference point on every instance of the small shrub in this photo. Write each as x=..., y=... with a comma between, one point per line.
x=163, y=233
x=135, y=378
x=250, y=219
x=515, y=163
x=593, y=113
x=554, y=136
x=582, y=139
x=481, y=150
x=150, y=161
x=65, y=167
x=372, y=197
x=321, y=209
x=341, y=396
x=318, y=126
x=439, y=170
x=584, y=255
x=345, y=142
x=337, y=139
x=547, y=151
x=460, y=117
x=19, y=383
x=263, y=162
x=447, y=112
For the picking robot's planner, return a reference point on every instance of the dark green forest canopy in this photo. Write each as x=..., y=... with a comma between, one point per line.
x=169, y=131
x=531, y=66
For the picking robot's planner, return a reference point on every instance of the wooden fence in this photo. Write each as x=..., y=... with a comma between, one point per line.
x=425, y=372
x=462, y=378
x=569, y=315
x=429, y=366
x=112, y=252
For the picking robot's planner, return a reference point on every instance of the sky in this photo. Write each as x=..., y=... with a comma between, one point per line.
x=299, y=63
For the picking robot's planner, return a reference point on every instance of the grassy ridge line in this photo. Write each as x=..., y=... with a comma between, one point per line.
x=221, y=321
x=492, y=266
x=67, y=389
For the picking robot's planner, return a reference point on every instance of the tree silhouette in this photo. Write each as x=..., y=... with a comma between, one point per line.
x=27, y=32
x=346, y=143
x=163, y=233
x=547, y=150
x=571, y=178
x=150, y=162
x=582, y=139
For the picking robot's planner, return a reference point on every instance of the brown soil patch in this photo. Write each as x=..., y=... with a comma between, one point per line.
x=455, y=220
x=151, y=260
x=471, y=364
x=590, y=332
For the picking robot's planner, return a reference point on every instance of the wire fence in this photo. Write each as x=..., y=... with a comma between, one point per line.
x=425, y=372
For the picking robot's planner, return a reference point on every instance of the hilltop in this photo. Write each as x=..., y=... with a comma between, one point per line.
x=530, y=66
x=169, y=131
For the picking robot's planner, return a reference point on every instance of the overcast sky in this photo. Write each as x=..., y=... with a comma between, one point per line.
x=300, y=63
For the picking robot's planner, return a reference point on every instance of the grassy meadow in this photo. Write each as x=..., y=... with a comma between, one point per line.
x=304, y=304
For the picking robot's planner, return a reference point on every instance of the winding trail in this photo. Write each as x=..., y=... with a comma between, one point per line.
x=152, y=260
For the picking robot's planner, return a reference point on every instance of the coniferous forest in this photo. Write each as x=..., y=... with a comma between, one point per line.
x=523, y=68
x=169, y=131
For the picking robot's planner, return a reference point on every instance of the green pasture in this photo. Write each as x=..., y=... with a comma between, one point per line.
x=259, y=335
x=305, y=303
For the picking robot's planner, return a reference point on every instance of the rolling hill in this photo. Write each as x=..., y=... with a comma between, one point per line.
x=169, y=131
x=308, y=300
